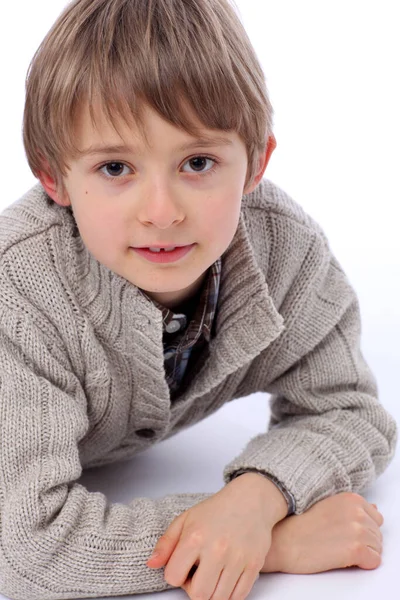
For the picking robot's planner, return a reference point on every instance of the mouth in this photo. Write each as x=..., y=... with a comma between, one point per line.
x=157, y=248
x=163, y=254
x=167, y=249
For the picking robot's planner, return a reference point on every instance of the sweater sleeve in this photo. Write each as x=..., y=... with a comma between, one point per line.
x=57, y=540
x=328, y=432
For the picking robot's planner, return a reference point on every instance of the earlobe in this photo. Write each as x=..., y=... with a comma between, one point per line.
x=264, y=160
x=50, y=185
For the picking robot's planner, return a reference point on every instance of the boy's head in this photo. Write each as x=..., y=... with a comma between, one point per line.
x=153, y=76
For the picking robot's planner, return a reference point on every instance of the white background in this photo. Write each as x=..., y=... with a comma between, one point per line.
x=332, y=70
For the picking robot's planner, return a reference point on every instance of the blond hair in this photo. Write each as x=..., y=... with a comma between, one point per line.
x=126, y=53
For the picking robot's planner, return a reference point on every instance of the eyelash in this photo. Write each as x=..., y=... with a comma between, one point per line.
x=196, y=175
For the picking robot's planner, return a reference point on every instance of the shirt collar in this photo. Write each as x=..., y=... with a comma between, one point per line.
x=205, y=309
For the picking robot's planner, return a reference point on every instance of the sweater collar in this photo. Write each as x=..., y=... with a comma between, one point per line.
x=126, y=322
x=200, y=318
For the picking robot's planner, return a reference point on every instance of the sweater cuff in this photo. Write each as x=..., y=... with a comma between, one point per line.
x=305, y=462
x=288, y=496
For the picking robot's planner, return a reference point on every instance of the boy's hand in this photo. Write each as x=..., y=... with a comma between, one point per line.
x=337, y=532
x=226, y=536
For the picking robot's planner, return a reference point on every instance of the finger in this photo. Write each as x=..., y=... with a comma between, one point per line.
x=167, y=543
x=371, y=559
x=206, y=579
x=373, y=540
x=370, y=532
x=374, y=513
x=244, y=585
x=377, y=535
x=183, y=559
x=227, y=583
x=364, y=556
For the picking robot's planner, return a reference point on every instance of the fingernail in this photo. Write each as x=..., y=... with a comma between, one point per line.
x=154, y=555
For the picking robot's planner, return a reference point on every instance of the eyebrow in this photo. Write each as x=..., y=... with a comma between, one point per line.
x=123, y=148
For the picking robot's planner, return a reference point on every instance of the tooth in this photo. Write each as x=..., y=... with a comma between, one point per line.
x=163, y=249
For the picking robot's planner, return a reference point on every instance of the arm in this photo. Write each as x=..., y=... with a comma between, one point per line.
x=279, y=491
x=57, y=539
x=328, y=432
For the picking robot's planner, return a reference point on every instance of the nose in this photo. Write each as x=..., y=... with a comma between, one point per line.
x=160, y=207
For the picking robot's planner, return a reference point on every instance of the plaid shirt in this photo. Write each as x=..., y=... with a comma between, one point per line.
x=183, y=341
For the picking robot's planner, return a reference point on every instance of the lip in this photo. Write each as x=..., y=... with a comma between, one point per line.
x=159, y=246
x=162, y=256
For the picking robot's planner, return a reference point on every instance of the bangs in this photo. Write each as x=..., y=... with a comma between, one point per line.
x=179, y=57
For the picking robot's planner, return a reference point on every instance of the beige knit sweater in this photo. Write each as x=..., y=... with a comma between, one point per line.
x=82, y=384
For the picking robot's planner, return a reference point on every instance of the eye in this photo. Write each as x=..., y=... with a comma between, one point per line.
x=198, y=163
x=114, y=170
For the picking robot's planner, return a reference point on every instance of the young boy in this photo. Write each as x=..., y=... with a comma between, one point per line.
x=151, y=276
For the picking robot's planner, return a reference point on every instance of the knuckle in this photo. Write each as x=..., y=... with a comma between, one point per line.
x=357, y=530
x=221, y=547
x=239, y=559
x=195, y=538
x=354, y=553
x=357, y=549
x=359, y=513
x=354, y=498
x=254, y=566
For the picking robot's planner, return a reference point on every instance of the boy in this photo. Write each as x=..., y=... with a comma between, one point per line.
x=141, y=290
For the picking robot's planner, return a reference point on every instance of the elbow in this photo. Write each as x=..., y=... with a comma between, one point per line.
x=25, y=573
x=19, y=584
x=384, y=455
x=13, y=585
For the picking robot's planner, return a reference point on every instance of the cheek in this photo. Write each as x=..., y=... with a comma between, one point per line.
x=223, y=216
x=101, y=229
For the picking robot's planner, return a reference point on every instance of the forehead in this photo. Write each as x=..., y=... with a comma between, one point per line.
x=95, y=128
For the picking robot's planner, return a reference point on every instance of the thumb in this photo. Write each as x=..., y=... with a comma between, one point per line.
x=167, y=543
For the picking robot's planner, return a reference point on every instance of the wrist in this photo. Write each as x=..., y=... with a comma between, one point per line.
x=277, y=504
x=274, y=560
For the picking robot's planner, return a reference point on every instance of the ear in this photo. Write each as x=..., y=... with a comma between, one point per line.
x=264, y=160
x=50, y=185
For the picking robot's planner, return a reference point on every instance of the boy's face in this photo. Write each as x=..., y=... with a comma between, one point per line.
x=161, y=195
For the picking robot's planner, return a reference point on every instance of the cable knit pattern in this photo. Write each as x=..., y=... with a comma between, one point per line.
x=82, y=380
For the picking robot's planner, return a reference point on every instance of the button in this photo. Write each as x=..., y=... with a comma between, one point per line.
x=172, y=327
x=169, y=354
x=178, y=322
x=146, y=433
